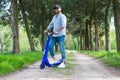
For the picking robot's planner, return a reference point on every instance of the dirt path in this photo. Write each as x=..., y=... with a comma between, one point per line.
x=87, y=68
x=93, y=69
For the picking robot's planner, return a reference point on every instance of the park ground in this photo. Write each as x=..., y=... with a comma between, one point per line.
x=78, y=67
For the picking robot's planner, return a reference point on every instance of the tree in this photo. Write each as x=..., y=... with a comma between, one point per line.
x=90, y=34
x=107, y=26
x=87, y=20
x=14, y=26
x=27, y=26
x=97, y=44
x=39, y=14
x=116, y=9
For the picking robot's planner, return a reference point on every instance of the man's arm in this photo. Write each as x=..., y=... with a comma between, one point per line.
x=49, y=26
x=60, y=29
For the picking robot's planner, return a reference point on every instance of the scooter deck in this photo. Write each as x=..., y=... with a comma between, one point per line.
x=46, y=63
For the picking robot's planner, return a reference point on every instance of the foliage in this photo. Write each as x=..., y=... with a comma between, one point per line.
x=5, y=36
x=83, y=17
x=69, y=44
x=113, y=40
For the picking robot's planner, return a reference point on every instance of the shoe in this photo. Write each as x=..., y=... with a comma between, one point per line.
x=62, y=65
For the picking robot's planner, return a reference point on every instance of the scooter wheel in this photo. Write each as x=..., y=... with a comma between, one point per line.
x=42, y=66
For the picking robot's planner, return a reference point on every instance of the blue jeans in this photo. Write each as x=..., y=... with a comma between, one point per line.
x=60, y=41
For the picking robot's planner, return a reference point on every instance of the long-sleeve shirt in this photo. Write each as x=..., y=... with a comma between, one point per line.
x=57, y=22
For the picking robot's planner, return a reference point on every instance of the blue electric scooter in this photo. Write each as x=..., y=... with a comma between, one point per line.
x=45, y=61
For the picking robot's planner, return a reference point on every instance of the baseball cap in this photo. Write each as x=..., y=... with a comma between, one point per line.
x=57, y=6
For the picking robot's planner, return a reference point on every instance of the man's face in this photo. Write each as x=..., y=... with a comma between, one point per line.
x=56, y=10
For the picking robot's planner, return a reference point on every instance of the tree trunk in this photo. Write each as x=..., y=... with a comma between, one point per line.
x=81, y=42
x=78, y=43
x=91, y=38
x=74, y=43
x=97, y=44
x=86, y=36
x=116, y=9
x=27, y=27
x=107, y=28
x=14, y=26
x=81, y=37
x=43, y=28
x=42, y=41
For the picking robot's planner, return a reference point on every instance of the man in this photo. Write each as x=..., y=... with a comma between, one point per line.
x=58, y=24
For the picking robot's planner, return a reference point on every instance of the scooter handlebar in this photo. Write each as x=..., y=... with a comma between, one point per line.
x=49, y=33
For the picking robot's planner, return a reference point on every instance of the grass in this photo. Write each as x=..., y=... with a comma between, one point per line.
x=111, y=58
x=10, y=63
x=69, y=65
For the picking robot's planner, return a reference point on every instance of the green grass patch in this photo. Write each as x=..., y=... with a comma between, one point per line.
x=10, y=62
x=111, y=58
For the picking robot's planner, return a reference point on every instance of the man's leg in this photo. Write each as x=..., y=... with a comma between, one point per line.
x=62, y=47
x=51, y=47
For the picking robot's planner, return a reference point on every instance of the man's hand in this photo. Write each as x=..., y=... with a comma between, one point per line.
x=45, y=31
x=56, y=33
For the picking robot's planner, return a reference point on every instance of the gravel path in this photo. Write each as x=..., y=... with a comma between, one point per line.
x=86, y=68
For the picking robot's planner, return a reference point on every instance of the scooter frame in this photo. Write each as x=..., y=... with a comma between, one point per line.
x=45, y=61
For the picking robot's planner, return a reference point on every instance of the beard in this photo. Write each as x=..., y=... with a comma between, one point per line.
x=57, y=12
